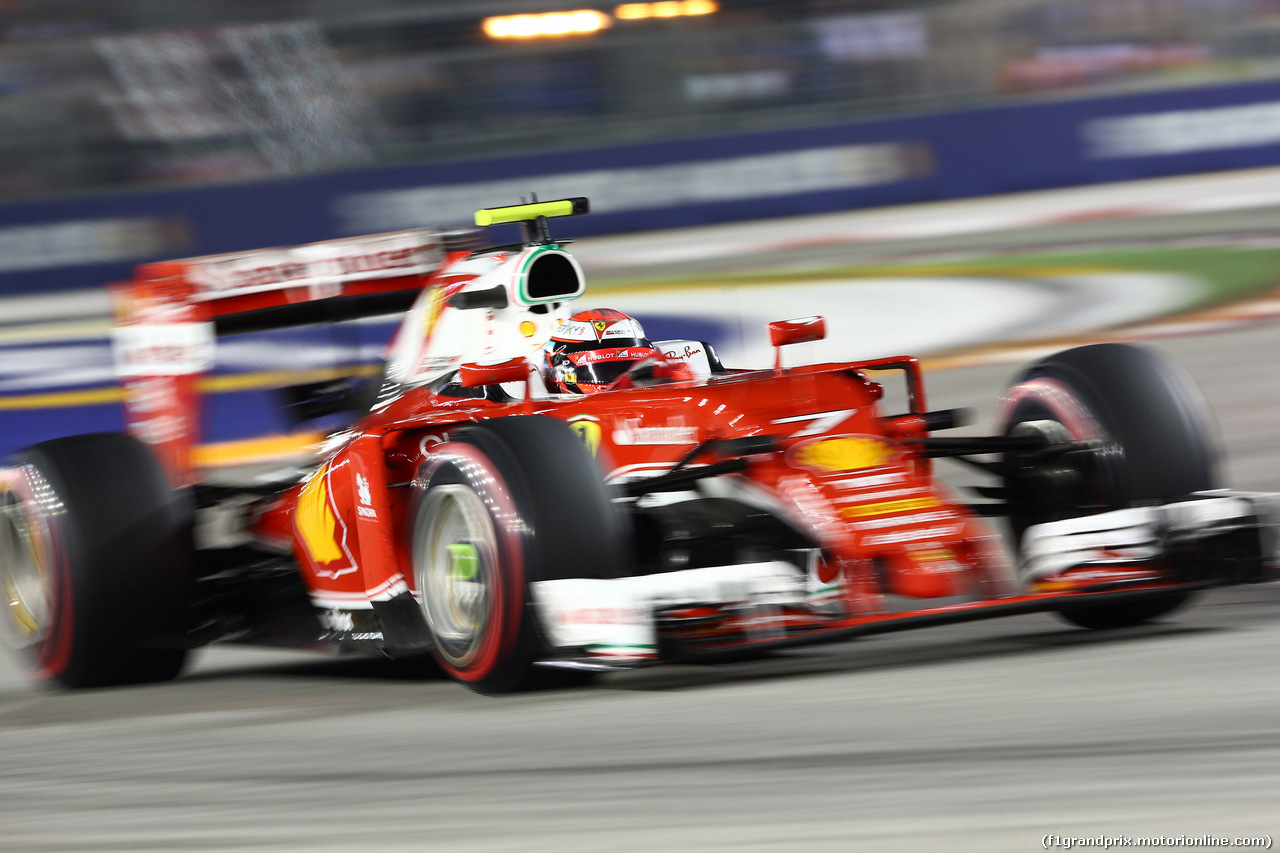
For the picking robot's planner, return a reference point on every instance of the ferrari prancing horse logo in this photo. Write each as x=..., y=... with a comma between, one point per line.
x=589, y=431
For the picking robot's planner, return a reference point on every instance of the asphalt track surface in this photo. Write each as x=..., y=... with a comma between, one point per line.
x=985, y=736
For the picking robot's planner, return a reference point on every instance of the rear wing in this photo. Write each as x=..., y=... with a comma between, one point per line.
x=167, y=319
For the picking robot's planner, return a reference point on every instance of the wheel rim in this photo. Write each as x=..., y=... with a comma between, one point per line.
x=454, y=570
x=1049, y=407
x=24, y=578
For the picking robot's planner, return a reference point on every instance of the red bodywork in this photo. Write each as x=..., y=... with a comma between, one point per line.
x=869, y=499
x=856, y=481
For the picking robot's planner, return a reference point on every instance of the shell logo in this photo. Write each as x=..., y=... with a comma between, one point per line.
x=432, y=314
x=848, y=453
x=527, y=329
x=315, y=521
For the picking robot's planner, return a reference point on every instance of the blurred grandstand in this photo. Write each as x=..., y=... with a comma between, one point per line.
x=98, y=95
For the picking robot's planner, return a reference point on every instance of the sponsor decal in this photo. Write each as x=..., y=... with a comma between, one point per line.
x=604, y=616
x=575, y=330
x=589, y=431
x=600, y=325
x=435, y=302
x=431, y=440
x=622, y=329
x=344, y=622
x=320, y=530
x=939, y=532
x=934, y=555
x=335, y=263
x=527, y=329
x=871, y=481
x=162, y=349
x=630, y=431
x=316, y=523
x=898, y=520
x=338, y=620
x=365, y=509
x=890, y=507
x=1183, y=131
x=492, y=333
x=879, y=496
x=689, y=352
x=845, y=453
x=592, y=356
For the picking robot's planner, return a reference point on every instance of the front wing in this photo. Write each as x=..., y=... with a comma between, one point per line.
x=1207, y=539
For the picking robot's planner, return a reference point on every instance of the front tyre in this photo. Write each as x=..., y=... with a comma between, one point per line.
x=1156, y=441
x=95, y=562
x=504, y=504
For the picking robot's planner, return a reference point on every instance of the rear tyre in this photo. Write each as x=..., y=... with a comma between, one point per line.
x=95, y=562
x=1158, y=442
x=504, y=504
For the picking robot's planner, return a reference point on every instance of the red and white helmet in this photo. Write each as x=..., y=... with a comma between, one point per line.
x=589, y=351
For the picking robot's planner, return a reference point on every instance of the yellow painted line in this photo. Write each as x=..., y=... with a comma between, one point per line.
x=223, y=453
x=280, y=378
x=208, y=385
x=61, y=399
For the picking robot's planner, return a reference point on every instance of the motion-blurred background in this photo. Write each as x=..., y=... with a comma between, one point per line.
x=108, y=96
x=138, y=130
x=315, y=118
x=1059, y=147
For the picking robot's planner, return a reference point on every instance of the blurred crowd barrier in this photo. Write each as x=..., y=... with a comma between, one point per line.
x=131, y=93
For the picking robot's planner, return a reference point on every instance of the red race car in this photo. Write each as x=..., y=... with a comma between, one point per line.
x=531, y=493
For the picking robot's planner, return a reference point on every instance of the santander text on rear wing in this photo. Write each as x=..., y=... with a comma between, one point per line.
x=166, y=320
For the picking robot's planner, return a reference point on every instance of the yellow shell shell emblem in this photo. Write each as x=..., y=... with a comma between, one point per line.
x=435, y=302
x=843, y=454
x=315, y=521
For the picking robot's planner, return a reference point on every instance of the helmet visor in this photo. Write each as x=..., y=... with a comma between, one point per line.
x=603, y=367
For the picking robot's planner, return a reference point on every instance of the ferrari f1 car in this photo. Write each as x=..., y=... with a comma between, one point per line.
x=523, y=536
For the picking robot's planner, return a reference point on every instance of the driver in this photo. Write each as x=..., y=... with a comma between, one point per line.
x=589, y=351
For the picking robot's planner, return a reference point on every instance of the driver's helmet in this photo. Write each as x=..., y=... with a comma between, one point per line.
x=590, y=350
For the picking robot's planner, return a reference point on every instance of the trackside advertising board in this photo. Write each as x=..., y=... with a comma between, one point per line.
x=72, y=243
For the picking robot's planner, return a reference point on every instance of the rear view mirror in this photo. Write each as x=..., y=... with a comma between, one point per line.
x=784, y=332
x=801, y=331
x=471, y=375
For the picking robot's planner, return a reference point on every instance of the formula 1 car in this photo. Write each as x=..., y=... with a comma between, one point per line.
x=525, y=537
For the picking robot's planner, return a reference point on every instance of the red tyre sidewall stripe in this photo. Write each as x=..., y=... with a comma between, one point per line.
x=55, y=649
x=52, y=652
x=1059, y=399
x=507, y=599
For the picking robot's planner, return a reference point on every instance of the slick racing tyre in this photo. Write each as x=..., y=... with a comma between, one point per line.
x=1156, y=436
x=95, y=562
x=504, y=504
